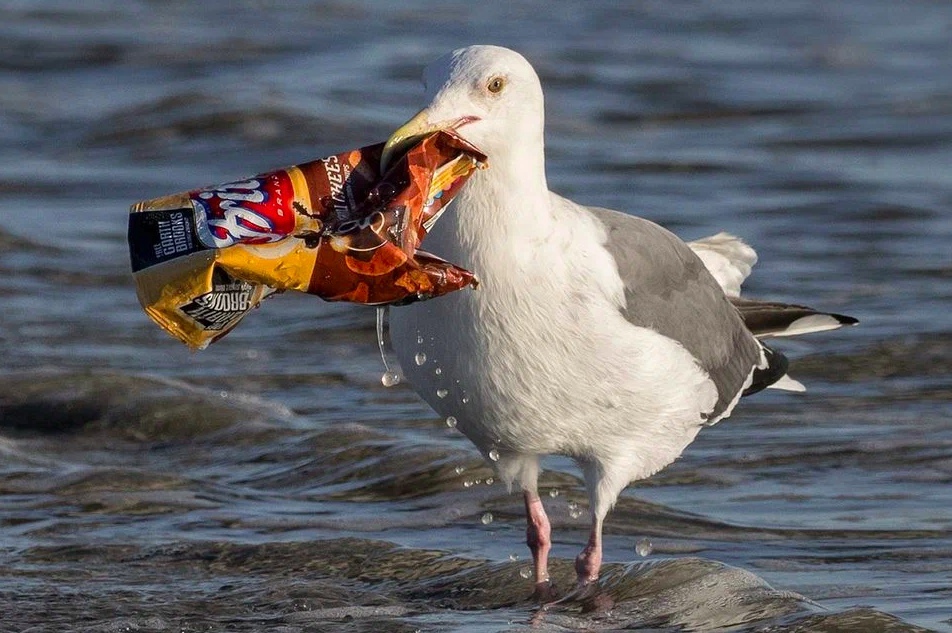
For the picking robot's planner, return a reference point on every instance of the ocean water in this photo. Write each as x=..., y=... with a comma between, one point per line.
x=272, y=483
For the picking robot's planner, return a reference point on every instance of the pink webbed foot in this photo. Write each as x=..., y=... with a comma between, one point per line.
x=589, y=562
x=544, y=593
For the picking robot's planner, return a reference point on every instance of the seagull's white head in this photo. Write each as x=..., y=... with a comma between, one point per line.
x=488, y=95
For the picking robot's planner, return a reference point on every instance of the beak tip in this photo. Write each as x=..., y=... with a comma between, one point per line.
x=404, y=136
x=391, y=151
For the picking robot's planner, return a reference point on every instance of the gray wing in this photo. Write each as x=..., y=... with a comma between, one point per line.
x=669, y=290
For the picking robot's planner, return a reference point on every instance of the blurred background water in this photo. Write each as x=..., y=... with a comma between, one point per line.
x=271, y=482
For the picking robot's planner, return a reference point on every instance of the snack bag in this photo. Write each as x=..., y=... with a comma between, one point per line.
x=335, y=227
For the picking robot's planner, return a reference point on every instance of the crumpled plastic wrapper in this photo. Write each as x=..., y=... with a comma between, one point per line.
x=335, y=227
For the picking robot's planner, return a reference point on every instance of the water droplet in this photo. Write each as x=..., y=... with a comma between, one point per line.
x=451, y=422
x=223, y=394
x=525, y=572
x=554, y=493
x=419, y=339
x=487, y=518
x=643, y=547
x=468, y=483
x=437, y=371
x=490, y=481
x=389, y=378
x=459, y=470
x=465, y=399
x=476, y=482
x=494, y=455
x=420, y=358
x=513, y=557
x=574, y=511
x=441, y=393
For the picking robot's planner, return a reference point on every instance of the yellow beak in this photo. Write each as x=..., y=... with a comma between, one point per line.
x=406, y=136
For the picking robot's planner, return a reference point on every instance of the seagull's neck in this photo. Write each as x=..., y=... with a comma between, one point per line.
x=498, y=212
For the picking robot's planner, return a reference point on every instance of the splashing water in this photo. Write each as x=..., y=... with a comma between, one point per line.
x=525, y=572
x=554, y=493
x=390, y=377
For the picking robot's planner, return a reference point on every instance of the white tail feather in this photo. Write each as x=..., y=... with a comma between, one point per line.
x=727, y=258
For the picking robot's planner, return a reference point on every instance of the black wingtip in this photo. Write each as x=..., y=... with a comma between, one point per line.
x=776, y=369
x=844, y=319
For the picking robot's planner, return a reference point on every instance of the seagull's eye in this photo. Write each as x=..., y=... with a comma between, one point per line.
x=496, y=84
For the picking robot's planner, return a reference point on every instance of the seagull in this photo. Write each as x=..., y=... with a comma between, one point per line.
x=593, y=334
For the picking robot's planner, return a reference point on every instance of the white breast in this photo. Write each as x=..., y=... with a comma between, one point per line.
x=539, y=359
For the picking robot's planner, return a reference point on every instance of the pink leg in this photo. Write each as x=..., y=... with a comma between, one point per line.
x=538, y=538
x=587, y=565
x=589, y=562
